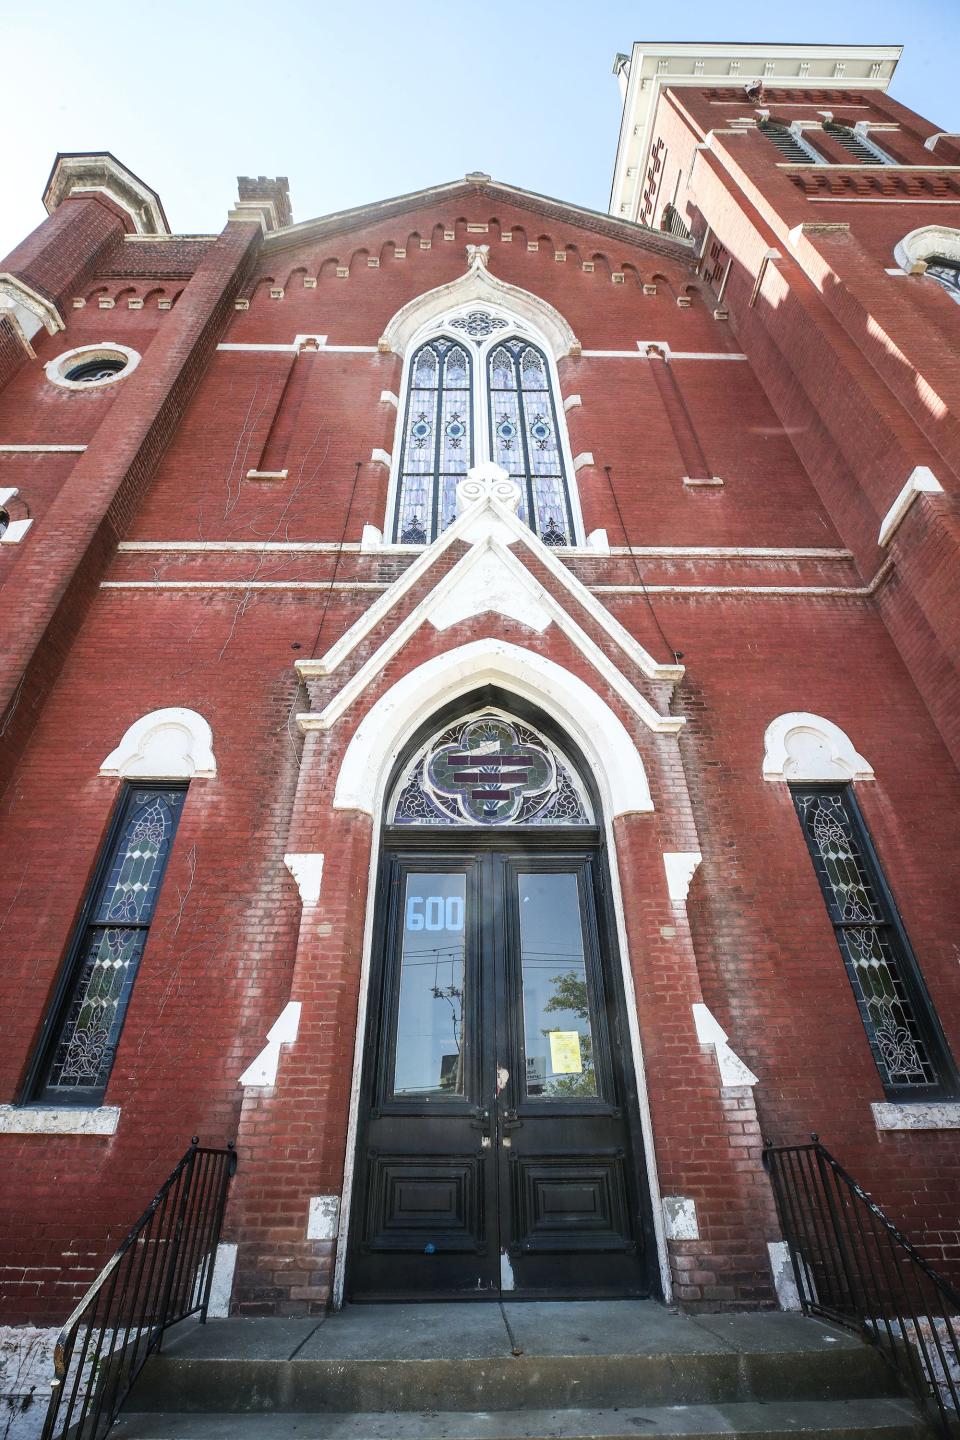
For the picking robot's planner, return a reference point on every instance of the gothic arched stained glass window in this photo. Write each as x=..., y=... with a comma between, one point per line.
x=525, y=439
x=437, y=440
x=946, y=272
x=77, y=1054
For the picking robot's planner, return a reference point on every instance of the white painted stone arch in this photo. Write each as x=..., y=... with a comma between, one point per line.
x=803, y=747
x=478, y=285
x=169, y=744
x=389, y=724
x=622, y=783
x=925, y=241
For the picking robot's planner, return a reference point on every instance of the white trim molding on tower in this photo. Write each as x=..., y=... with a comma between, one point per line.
x=651, y=66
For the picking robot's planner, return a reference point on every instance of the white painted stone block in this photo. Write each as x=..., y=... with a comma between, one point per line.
x=221, y=1286
x=323, y=1217
x=680, y=1218
x=784, y=1281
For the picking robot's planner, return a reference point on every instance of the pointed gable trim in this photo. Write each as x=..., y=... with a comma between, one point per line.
x=434, y=607
x=488, y=516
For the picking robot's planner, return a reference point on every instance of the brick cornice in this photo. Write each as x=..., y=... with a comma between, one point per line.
x=348, y=221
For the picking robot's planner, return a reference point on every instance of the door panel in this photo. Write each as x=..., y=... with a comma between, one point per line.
x=495, y=1130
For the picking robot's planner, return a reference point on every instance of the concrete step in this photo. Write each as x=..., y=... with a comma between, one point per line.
x=863, y=1419
x=542, y=1357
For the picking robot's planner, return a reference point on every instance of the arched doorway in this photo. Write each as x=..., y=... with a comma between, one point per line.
x=499, y=1146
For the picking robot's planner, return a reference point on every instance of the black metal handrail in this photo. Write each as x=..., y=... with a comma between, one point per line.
x=161, y=1274
x=852, y=1265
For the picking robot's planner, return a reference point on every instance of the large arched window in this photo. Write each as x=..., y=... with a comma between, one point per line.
x=437, y=442
x=481, y=387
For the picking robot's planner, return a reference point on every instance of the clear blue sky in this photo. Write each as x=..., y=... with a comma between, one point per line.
x=362, y=99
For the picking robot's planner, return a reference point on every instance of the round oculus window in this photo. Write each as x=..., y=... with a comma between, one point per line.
x=89, y=367
x=92, y=370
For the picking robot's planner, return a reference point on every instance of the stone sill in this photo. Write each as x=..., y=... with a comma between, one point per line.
x=936, y=1115
x=49, y=1120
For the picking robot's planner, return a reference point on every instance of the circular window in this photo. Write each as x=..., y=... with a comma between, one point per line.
x=90, y=367
x=92, y=370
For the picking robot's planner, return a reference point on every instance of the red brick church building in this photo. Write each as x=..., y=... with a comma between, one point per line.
x=480, y=707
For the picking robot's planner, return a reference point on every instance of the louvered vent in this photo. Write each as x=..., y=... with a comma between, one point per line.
x=850, y=140
x=791, y=147
x=673, y=224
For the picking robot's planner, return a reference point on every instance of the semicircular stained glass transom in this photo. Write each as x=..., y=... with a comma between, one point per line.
x=489, y=769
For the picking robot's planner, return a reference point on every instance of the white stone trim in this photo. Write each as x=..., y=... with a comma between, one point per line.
x=573, y=704
x=56, y=369
x=15, y=532
x=170, y=744
x=478, y=286
x=931, y=1115
x=581, y=461
x=499, y=522
x=572, y=402
x=710, y=1032
x=643, y=345
x=680, y=1218
x=387, y=397
x=805, y=747
x=323, y=1217
x=307, y=870
x=927, y=240
x=31, y=312
x=381, y=457
x=53, y=1120
x=920, y=481
x=605, y=753
x=101, y=174
x=283, y=1031
x=221, y=1286
x=517, y=582
x=598, y=542
x=42, y=449
x=784, y=1280
x=680, y=866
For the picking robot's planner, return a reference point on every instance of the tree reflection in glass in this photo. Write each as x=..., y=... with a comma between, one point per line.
x=558, y=1035
x=429, y=1057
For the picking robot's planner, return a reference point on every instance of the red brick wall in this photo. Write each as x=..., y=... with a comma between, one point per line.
x=169, y=450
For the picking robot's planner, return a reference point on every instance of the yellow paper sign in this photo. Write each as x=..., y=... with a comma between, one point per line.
x=565, y=1052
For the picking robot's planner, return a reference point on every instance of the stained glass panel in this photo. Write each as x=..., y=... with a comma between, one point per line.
x=524, y=437
x=113, y=941
x=489, y=769
x=437, y=442
x=868, y=939
x=946, y=273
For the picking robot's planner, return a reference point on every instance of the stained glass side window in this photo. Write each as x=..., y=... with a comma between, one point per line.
x=110, y=944
x=524, y=437
x=489, y=769
x=908, y=1049
x=437, y=441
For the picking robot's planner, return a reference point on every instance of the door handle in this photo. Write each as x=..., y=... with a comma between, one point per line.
x=482, y=1122
x=511, y=1120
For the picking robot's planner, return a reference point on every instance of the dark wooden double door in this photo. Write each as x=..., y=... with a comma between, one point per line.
x=498, y=1148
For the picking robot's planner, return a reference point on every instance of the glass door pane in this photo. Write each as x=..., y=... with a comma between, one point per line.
x=557, y=1026
x=430, y=1048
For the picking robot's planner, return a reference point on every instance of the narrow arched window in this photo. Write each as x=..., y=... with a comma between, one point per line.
x=946, y=272
x=858, y=144
x=790, y=143
x=437, y=440
x=524, y=436
x=82, y=1029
